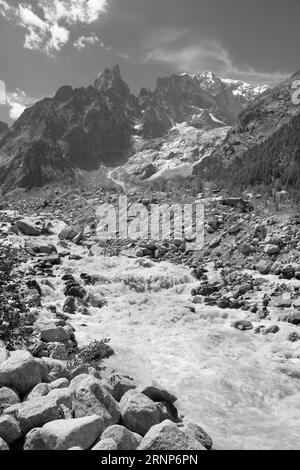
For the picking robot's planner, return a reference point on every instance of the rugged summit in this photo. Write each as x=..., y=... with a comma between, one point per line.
x=234, y=95
x=263, y=147
x=84, y=129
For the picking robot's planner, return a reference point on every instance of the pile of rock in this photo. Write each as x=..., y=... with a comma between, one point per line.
x=43, y=406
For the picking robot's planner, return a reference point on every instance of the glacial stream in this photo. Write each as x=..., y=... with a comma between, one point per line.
x=243, y=388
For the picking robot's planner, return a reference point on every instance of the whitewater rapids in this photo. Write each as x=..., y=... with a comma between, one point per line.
x=242, y=388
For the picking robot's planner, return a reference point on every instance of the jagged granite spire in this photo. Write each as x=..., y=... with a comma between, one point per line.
x=110, y=80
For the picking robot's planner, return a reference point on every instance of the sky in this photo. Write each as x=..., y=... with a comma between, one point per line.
x=45, y=44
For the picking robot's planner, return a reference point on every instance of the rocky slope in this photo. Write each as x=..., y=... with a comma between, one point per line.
x=86, y=128
x=3, y=129
x=263, y=146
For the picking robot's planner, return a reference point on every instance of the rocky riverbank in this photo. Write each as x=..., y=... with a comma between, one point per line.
x=63, y=295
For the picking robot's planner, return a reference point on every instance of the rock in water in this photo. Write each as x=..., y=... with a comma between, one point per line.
x=243, y=325
x=27, y=229
x=155, y=392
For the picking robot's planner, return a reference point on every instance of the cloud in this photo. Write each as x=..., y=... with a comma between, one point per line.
x=48, y=24
x=18, y=101
x=212, y=56
x=84, y=41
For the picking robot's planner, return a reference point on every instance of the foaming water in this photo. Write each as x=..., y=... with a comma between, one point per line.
x=241, y=387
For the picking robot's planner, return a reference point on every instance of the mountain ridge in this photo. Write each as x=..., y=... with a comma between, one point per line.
x=86, y=128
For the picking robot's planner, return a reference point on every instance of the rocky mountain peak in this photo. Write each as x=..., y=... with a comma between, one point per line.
x=110, y=80
x=86, y=128
x=64, y=93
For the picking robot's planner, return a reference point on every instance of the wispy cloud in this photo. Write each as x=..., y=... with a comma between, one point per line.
x=84, y=41
x=209, y=55
x=48, y=24
x=18, y=101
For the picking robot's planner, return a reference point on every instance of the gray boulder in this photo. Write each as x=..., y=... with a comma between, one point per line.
x=167, y=436
x=139, y=413
x=34, y=440
x=9, y=429
x=194, y=430
x=125, y=439
x=22, y=372
x=27, y=229
x=35, y=413
x=91, y=398
x=53, y=334
x=8, y=397
x=64, y=434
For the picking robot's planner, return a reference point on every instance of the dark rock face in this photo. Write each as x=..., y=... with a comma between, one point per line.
x=3, y=129
x=80, y=128
x=84, y=128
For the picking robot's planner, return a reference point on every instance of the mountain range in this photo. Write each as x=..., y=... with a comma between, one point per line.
x=101, y=126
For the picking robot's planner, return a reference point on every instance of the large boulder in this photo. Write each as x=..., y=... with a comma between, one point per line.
x=294, y=318
x=8, y=397
x=9, y=429
x=263, y=267
x=54, y=334
x=167, y=436
x=34, y=440
x=68, y=233
x=194, y=430
x=22, y=372
x=156, y=393
x=64, y=434
x=62, y=396
x=271, y=249
x=139, y=413
x=27, y=229
x=125, y=439
x=91, y=398
x=35, y=413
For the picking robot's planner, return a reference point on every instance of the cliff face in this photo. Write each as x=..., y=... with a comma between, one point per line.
x=84, y=128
